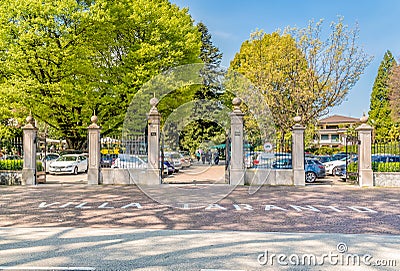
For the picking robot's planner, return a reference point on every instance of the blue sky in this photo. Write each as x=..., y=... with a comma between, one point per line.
x=230, y=22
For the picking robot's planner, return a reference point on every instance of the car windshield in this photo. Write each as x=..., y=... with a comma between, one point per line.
x=67, y=158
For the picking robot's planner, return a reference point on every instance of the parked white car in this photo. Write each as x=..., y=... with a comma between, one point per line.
x=69, y=164
x=48, y=159
x=129, y=161
x=334, y=167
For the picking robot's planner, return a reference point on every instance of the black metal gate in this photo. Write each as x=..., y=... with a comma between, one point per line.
x=42, y=162
x=352, y=154
x=227, y=158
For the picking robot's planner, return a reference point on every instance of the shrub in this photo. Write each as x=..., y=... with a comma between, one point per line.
x=11, y=164
x=386, y=167
x=17, y=165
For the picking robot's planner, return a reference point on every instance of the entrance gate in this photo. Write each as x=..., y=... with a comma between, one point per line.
x=352, y=154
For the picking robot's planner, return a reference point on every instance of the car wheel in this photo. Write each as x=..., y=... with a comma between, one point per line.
x=310, y=177
x=76, y=170
x=335, y=171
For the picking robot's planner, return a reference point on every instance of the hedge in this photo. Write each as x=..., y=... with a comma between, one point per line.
x=377, y=167
x=17, y=165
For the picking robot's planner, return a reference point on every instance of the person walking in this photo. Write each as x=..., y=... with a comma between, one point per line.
x=216, y=158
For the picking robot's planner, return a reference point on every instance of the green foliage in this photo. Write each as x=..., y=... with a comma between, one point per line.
x=11, y=164
x=17, y=165
x=376, y=167
x=386, y=167
x=64, y=60
x=297, y=73
x=380, y=111
x=204, y=125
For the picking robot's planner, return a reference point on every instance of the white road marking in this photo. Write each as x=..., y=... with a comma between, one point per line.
x=47, y=268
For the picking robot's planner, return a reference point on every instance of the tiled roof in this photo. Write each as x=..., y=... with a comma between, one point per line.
x=335, y=119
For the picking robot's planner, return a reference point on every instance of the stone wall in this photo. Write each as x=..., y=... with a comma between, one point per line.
x=269, y=177
x=10, y=177
x=387, y=179
x=125, y=176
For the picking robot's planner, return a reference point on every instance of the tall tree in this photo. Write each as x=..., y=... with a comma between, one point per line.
x=380, y=111
x=394, y=97
x=298, y=73
x=65, y=59
x=203, y=128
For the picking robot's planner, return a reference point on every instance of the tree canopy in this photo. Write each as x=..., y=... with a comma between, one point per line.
x=63, y=60
x=299, y=73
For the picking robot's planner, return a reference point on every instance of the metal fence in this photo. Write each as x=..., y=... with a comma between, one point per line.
x=11, y=152
x=276, y=154
x=124, y=152
x=386, y=156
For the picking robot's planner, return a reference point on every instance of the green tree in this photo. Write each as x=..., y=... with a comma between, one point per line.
x=298, y=73
x=394, y=97
x=64, y=60
x=380, y=111
x=203, y=128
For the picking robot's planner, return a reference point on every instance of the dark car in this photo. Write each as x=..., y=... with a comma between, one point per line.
x=169, y=166
x=106, y=160
x=385, y=158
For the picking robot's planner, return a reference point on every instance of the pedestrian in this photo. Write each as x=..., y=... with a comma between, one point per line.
x=216, y=158
x=209, y=157
x=198, y=155
x=203, y=157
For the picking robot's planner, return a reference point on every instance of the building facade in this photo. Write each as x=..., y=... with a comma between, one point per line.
x=331, y=131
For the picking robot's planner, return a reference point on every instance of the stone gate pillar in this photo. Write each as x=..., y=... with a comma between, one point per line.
x=366, y=175
x=298, y=153
x=93, y=176
x=236, y=176
x=153, y=149
x=29, y=147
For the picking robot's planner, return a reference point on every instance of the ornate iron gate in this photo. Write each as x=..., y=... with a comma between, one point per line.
x=352, y=154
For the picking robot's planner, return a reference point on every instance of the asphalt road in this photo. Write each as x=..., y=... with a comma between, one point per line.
x=138, y=249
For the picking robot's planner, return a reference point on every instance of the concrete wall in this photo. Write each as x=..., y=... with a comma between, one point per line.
x=387, y=179
x=125, y=176
x=269, y=177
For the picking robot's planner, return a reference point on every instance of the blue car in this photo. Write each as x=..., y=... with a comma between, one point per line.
x=314, y=169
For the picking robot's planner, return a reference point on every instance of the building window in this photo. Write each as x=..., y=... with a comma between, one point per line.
x=324, y=137
x=335, y=138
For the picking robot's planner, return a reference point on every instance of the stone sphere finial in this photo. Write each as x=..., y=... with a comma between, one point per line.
x=236, y=101
x=297, y=119
x=153, y=101
x=29, y=119
x=94, y=119
x=364, y=118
